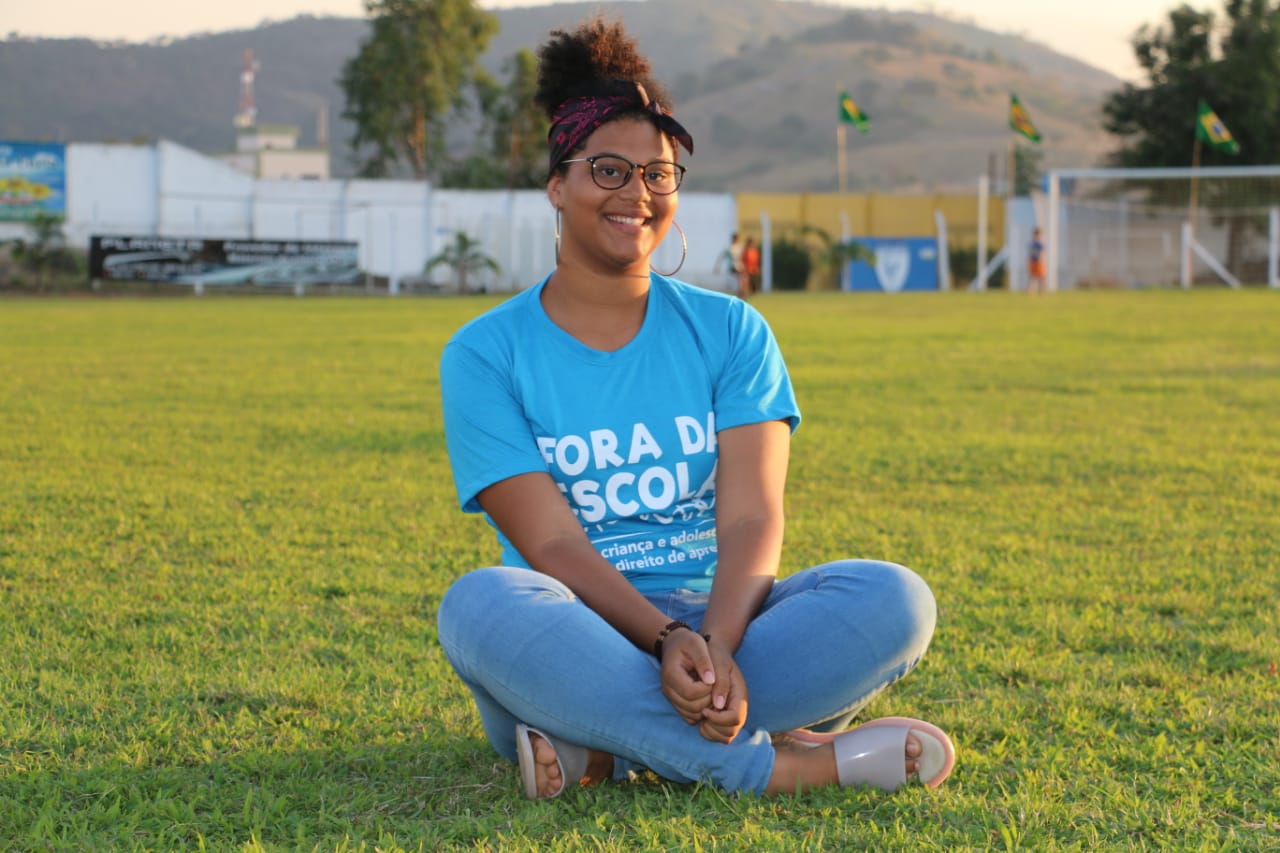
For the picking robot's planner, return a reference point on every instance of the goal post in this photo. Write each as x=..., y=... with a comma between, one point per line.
x=1215, y=225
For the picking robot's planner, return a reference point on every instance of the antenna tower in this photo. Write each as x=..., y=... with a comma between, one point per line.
x=248, y=114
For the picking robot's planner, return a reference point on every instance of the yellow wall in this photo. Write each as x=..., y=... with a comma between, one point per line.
x=871, y=215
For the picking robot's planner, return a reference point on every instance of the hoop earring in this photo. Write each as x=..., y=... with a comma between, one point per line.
x=684, y=252
x=557, y=232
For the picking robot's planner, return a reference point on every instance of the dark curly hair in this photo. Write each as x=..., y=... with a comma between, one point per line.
x=594, y=75
x=596, y=58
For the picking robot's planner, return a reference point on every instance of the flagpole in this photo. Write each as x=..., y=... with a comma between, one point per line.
x=1011, y=166
x=1190, y=230
x=840, y=155
x=1195, y=180
x=1012, y=169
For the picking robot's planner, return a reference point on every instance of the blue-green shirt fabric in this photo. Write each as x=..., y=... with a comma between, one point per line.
x=629, y=436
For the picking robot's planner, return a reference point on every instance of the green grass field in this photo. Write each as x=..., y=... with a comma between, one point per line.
x=225, y=525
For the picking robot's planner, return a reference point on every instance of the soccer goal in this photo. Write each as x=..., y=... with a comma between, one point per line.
x=1217, y=226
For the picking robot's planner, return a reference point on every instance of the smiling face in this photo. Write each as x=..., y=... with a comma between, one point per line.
x=613, y=231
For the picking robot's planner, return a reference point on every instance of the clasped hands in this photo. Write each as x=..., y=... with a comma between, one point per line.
x=703, y=683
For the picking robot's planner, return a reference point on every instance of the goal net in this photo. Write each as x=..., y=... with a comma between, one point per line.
x=1213, y=226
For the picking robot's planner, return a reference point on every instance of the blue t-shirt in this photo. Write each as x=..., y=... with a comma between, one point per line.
x=629, y=436
x=1037, y=249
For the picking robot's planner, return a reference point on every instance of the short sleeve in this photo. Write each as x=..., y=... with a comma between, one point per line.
x=487, y=433
x=754, y=385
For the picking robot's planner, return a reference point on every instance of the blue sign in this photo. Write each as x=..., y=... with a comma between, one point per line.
x=33, y=179
x=902, y=263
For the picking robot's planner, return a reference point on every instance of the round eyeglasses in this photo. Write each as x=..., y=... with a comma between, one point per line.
x=611, y=172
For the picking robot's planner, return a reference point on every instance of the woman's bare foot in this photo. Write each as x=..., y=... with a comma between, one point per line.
x=546, y=770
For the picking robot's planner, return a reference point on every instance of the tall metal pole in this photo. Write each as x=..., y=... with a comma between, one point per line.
x=1189, y=234
x=1011, y=168
x=840, y=156
x=984, y=192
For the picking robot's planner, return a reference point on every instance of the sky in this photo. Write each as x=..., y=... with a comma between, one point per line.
x=1096, y=31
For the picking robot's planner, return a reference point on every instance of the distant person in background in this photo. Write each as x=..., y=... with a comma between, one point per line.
x=732, y=258
x=1035, y=263
x=751, y=266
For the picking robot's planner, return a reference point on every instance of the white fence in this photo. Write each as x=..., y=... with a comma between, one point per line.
x=1164, y=227
x=166, y=190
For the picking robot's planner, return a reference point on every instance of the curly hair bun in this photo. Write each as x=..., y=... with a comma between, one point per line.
x=596, y=57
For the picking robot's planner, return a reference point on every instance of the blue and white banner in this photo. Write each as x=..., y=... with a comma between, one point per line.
x=902, y=263
x=33, y=180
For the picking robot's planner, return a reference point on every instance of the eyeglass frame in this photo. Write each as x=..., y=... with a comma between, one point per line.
x=631, y=167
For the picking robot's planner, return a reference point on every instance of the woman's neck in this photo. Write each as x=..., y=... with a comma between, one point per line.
x=603, y=312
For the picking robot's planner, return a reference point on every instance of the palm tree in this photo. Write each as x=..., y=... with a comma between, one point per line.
x=464, y=256
x=833, y=255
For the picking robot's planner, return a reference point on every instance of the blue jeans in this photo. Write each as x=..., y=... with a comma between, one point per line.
x=825, y=643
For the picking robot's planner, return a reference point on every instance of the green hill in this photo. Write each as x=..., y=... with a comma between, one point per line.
x=756, y=82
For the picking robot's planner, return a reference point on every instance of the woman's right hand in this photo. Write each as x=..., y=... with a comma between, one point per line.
x=688, y=675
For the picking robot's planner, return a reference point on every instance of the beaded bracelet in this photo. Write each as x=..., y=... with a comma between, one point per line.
x=673, y=625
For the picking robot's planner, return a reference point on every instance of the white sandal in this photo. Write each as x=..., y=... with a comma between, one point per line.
x=571, y=758
x=874, y=753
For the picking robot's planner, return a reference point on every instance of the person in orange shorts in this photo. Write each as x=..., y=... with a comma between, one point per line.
x=751, y=267
x=1035, y=264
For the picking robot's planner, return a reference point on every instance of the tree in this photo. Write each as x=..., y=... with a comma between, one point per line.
x=832, y=255
x=514, y=129
x=409, y=75
x=1238, y=74
x=791, y=264
x=1235, y=68
x=464, y=256
x=45, y=250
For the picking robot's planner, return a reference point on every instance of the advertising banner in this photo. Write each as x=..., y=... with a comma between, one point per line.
x=212, y=263
x=33, y=180
x=902, y=263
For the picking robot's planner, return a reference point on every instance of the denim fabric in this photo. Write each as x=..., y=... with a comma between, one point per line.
x=825, y=643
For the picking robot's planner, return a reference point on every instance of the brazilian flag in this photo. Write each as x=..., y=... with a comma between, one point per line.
x=1212, y=132
x=850, y=113
x=1019, y=121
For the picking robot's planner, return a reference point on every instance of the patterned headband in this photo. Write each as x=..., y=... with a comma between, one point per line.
x=578, y=117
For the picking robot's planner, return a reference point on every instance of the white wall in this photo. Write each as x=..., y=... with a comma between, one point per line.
x=171, y=191
x=518, y=231
x=112, y=188
x=199, y=196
